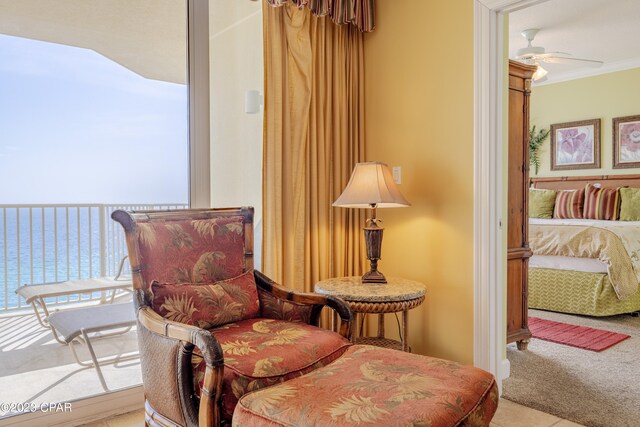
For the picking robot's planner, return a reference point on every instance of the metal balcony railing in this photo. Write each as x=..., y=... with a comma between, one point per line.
x=52, y=243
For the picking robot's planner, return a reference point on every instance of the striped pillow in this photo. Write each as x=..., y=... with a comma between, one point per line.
x=601, y=203
x=569, y=204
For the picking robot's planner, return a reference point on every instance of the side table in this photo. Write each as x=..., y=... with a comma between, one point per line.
x=394, y=296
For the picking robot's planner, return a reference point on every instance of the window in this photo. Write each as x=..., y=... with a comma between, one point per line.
x=94, y=116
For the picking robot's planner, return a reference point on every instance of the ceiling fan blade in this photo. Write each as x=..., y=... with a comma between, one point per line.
x=553, y=54
x=563, y=60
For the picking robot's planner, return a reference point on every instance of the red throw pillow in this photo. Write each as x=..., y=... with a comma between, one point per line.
x=207, y=305
x=601, y=203
x=568, y=204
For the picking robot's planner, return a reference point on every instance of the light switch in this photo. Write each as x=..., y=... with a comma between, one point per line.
x=397, y=174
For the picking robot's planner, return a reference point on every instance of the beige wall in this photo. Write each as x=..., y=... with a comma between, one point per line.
x=604, y=97
x=419, y=115
x=236, y=65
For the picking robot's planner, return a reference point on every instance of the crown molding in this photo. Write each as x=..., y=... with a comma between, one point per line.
x=606, y=68
x=506, y=6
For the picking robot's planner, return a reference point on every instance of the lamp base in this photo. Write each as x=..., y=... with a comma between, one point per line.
x=373, y=276
x=373, y=241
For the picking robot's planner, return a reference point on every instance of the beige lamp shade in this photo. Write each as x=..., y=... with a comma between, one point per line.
x=371, y=184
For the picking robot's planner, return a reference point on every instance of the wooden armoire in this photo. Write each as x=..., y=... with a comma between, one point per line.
x=518, y=251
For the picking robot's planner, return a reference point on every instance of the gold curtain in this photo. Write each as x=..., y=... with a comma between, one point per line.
x=313, y=136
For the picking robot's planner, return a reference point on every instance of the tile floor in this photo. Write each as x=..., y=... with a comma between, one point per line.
x=130, y=419
x=35, y=368
x=509, y=414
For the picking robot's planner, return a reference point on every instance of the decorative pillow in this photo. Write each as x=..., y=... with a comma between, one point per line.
x=629, y=204
x=541, y=203
x=568, y=204
x=601, y=203
x=207, y=305
x=191, y=251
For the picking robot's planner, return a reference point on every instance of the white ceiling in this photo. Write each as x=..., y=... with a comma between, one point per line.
x=605, y=30
x=146, y=36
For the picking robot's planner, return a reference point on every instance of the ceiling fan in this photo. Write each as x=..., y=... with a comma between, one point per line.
x=534, y=55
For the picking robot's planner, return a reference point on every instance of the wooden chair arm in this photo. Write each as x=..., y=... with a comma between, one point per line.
x=211, y=392
x=316, y=300
x=207, y=343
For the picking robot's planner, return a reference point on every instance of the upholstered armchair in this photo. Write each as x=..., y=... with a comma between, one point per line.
x=210, y=328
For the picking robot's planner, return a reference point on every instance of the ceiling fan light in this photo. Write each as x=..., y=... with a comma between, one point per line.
x=540, y=74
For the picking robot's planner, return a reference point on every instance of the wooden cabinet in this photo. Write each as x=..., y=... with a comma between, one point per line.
x=518, y=251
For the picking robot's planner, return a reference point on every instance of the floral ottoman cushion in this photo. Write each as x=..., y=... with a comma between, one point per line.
x=376, y=387
x=261, y=352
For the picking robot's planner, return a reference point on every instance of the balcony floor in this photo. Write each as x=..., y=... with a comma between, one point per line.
x=35, y=368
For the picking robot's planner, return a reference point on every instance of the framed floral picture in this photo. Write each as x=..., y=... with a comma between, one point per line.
x=626, y=142
x=575, y=145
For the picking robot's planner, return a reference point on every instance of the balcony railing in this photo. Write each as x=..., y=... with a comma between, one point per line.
x=53, y=243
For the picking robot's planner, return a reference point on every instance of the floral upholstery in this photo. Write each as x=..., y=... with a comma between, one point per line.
x=276, y=308
x=180, y=251
x=376, y=387
x=270, y=339
x=262, y=352
x=207, y=305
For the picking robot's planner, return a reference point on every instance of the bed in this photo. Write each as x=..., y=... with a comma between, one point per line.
x=583, y=266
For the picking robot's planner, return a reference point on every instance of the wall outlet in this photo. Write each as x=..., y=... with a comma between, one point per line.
x=397, y=174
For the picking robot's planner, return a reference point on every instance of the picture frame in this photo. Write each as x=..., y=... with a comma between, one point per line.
x=626, y=142
x=575, y=145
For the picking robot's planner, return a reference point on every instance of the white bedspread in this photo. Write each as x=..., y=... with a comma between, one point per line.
x=555, y=262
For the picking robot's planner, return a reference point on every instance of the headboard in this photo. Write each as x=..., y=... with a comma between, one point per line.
x=577, y=182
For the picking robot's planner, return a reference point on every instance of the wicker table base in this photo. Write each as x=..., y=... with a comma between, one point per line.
x=398, y=295
x=381, y=342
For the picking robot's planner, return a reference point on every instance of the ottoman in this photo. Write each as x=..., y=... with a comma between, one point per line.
x=376, y=387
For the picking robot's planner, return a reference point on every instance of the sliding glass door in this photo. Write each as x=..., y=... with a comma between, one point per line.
x=94, y=116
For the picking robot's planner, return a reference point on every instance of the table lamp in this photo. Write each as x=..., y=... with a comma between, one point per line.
x=371, y=186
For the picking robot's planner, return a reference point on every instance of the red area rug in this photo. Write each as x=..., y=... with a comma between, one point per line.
x=575, y=336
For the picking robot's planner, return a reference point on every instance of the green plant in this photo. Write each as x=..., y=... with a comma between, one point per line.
x=535, y=141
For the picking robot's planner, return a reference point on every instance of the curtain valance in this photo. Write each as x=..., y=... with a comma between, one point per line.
x=357, y=12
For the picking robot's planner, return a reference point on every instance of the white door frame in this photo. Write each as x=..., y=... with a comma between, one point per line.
x=489, y=252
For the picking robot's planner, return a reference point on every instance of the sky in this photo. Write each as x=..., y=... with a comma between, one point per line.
x=76, y=127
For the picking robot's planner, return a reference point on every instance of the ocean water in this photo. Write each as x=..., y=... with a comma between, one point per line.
x=52, y=244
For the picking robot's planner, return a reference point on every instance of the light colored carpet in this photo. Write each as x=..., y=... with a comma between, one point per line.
x=593, y=389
